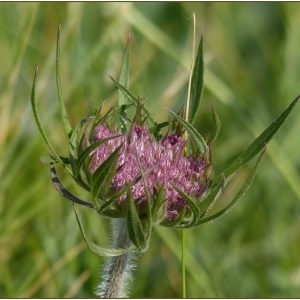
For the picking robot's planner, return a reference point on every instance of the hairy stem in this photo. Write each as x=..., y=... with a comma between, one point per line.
x=117, y=273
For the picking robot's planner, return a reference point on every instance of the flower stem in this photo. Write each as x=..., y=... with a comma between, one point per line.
x=117, y=273
x=183, y=263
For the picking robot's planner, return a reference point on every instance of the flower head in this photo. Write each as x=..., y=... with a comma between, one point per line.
x=162, y=161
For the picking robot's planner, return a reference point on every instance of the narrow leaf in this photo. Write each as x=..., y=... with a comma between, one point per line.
x=64, y=192
x=238, y=196
x=192, y=204
x=118, y=194
x=216, y=129
x=196, y=84
x=130, y=96
x=100, y=175
x=124, y=74
x=124, y=80
x=63, y=111
x=159, y=200
x=135, y=228
x=86, y=152
x=149, y=214
x=212, y=202
x=105, y=207
x=51, y=159
x=101, y=251
x=40, y=127
x=194, y=134
x=156, y=129
x=74, y=144
x=257, y=145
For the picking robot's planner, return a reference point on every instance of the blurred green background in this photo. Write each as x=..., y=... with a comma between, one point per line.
x=252, y=74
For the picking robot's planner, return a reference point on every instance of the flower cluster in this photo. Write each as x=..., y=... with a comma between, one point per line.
x=162, y=162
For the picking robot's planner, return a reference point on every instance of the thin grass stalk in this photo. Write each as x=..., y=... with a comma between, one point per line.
x=183, y=267
x=183, y=263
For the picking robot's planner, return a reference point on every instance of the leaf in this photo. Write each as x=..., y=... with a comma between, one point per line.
x=101, y=251
x=39, y=125
x=86, y=152
x=36, y=116
x=238, y=196
x=118, y=194
x=212, y=202
x=196, y=88
x=149, y=214
x=257, y=145
x=135, y=228
x=195, y=135
x=156, y=129
x=216, y=129
x=192, y=204
x=124, y=78
x=158, y=201
x=124, y=74
x=64, y=192
x=130, y=96
x=105, y=170
x=74, y=144
x=63, y=111
x=105, y=209
x=51, y=159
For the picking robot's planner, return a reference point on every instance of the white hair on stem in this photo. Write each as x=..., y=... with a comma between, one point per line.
x=116, y=275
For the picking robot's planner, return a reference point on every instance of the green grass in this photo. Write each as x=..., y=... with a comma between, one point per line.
x=251, y=75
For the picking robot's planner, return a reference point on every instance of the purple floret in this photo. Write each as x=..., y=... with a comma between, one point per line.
x=164, y=159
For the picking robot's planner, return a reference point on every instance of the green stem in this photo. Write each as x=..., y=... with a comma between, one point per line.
x=117, y=273
x=183, y=263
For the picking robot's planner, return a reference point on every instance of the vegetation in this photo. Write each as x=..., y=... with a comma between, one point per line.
x=251, y=75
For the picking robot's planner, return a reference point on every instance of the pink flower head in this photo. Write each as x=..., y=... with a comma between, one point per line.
x=162, y=162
